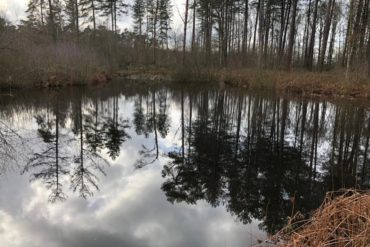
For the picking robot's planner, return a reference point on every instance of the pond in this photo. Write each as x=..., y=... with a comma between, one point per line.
x=153, y=165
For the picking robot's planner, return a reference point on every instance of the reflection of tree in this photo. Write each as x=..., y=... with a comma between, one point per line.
x=255, y=155
x=182, y=182
x=83, y=178
x=57, y=157
x=139, y=118
x=150, y=155
x=258, y=184
x=202, y=171
x=270, y=178
x=348, y=160
x=94, y=129
x=248, y=166
x=152, y=121
x=365, y=168
x=163, y=120
x=114, y=132
x=10, y=142
x=50, y=163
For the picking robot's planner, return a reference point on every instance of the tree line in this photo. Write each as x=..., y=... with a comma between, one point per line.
x=315, y=35
x=312, y=34
x=152, y=19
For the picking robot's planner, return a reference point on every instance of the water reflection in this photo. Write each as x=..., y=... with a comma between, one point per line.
x=260, y=157
x=9, y=154
x=151, y=121
x=265, y=157
x=49, y=164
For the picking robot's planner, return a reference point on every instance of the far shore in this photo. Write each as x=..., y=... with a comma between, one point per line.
x=333, y=84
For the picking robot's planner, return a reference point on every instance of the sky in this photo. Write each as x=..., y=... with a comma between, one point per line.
x=14, y=10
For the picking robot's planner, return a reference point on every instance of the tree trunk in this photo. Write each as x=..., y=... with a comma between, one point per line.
x=52, y=27
x=312, y=40
x=77, y=20
x=245, y=32
x=93, y=12
x=292, y=35
x=194, y=21
x=185, y=31
x=328, y=20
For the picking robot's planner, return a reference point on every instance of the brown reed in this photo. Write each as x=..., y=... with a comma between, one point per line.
x=343, y=220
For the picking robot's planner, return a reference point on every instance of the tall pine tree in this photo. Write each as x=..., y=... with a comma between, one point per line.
x=35, y=13
x=88, y=10
x=139, y=10
x=71, y=11
x=164, y=21
x=113, y=9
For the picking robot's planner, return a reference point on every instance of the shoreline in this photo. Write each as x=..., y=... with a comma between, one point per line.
x=327, y=85
x=300, y=83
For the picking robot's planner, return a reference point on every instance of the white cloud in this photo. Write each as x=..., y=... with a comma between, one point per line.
x=13, y=10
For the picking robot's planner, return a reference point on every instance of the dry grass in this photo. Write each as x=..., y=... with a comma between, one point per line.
x=32, y=58
x=328, y=84
x=332, y=84
x=48, y=64
x=194, y=75
x=341, y=221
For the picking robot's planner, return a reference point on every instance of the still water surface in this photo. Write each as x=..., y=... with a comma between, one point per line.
x=163, y=166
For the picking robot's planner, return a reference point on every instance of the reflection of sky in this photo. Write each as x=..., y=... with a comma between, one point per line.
x=129, y=210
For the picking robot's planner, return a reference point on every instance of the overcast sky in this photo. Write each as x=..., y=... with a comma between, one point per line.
x=14, y=10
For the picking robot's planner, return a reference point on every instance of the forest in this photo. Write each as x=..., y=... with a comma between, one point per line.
x=72, y=41
x=253, y=108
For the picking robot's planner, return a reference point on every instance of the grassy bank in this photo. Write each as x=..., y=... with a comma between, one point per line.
x=30, y=62
x=331, y=84
x=30, y=56
x=80, y=67
x=327, y=84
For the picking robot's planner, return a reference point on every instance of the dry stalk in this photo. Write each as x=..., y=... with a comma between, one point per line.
x=342, y=220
